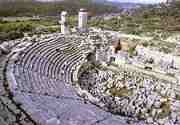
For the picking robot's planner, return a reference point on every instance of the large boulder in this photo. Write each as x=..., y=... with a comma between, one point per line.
x=5, y=48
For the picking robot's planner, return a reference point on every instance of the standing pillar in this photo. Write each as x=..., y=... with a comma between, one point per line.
x=64, y=27
x=83, y=19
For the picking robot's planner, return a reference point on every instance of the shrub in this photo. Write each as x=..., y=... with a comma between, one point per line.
x=3, y=36
x=131, y=51
x=166, y=110
x=15, y=35
x=178, y=97
x=145, y=44
x=52, y=30
x=11, y=35
x=24, y=27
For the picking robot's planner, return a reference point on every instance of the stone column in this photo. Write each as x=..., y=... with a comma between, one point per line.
x=63, y=22
x=83, y=19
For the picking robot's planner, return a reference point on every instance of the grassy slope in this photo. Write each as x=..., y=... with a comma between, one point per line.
x=10, y=30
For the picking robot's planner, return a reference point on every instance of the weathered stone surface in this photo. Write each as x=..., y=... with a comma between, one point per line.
x=41, y=74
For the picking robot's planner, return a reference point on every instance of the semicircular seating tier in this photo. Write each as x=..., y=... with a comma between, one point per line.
x=40, y=80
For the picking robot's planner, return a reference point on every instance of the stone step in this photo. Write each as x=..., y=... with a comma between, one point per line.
x=176, y=106
x=3, y=122
x=178, y=87
x=177, y=92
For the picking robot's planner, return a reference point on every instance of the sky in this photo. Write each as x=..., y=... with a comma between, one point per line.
x=140, y=1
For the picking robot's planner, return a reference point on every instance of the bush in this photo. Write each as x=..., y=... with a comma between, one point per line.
x=24, y=27
x=3, y=36
x=123, y=92
x=145, y=44
x=177, y=97
x=131, y=51
x=15, y=35
x=11, y=35
x=52, y=30
x=165, y=50
x=1, y=20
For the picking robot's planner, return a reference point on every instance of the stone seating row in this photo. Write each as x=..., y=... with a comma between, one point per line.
x=33, y=82
x=41, y=75
x=44, y=72
x=35, y=58
x=29, y=53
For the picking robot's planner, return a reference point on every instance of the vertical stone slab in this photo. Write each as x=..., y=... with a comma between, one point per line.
x=83, y=19
x=63, y=22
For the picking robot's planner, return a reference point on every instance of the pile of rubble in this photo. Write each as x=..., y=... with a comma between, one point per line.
x=133, y=94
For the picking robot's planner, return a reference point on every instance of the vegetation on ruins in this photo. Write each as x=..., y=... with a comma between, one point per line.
x=177, y=97
x=10, y=30
x=122, y=92
x=166, y=110
x=131, y=51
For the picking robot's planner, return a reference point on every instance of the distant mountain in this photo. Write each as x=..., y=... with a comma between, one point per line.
x=121, y=5
x=126, y=6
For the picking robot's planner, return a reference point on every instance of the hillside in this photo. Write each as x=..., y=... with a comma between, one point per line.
x=149, y=20
x=47, y=11
x=159, y=23
x=34, y=7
